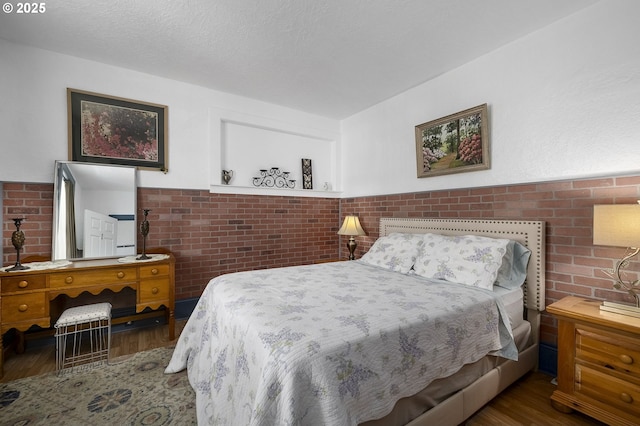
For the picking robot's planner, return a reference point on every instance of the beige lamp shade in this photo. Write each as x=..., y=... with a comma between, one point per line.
x=351, y=226
x=616, y=225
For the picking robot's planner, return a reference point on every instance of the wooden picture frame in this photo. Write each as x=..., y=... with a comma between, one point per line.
x=113, y=130
x=453, y=144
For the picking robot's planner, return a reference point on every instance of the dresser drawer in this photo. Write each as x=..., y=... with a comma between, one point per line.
x=608, y=350
x=23, y=307
x=95, y=277
x=608, y=390
x=153, y=290
x=152, y=271
x=23, y=283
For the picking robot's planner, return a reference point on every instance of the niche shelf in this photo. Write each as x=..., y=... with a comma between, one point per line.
x=253, y=190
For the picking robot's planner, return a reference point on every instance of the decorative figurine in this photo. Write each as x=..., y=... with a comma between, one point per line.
x=144, y=230
x=17, y=239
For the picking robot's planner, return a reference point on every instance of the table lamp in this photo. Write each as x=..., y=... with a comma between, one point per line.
x=351, y=227
x=618, y=225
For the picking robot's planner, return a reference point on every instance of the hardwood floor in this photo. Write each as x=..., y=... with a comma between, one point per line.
x=526, y=402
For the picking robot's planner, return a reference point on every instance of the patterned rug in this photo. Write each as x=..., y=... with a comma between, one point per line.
x=130, y=390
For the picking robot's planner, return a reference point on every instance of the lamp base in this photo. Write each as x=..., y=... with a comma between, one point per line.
x=351, y=245
x=620, y=308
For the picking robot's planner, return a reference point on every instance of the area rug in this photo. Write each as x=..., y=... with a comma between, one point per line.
x=129, y=391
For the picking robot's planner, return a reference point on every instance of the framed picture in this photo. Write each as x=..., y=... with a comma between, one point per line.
x=453, y=144
x=107, y=129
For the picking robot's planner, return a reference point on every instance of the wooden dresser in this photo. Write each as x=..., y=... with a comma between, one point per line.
x=25, y=295
x=598, y=362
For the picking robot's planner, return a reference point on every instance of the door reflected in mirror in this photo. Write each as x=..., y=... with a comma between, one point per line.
x=94, y=211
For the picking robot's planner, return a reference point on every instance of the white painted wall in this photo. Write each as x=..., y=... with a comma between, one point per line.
x=33, y=115
x=564, y=102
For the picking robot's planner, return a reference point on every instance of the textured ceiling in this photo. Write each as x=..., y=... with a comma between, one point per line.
x=328, y=57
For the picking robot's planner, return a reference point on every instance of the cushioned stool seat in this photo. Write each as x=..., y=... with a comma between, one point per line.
x=94, y=323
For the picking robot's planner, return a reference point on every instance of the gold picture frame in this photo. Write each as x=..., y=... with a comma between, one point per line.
x=113, y=130
x=453, y=144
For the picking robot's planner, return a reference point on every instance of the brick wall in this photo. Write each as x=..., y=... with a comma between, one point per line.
x=34, y=202
x=212, y=234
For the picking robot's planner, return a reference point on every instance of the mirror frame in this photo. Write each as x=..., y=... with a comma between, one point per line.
x=106, y=172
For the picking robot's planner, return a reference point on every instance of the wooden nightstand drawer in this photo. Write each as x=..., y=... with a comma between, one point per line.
x=609, y=391
x=95, y=277
x=608, y=350
x=152, y=290
x=23, y=307
x=153, y=271
x=23, y=283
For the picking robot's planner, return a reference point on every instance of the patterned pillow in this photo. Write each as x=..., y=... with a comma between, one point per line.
x=471, y=259
x=395, y=252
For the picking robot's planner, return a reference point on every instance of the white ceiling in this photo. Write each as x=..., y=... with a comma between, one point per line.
x=333, y=58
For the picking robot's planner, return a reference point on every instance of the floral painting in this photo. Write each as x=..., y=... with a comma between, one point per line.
x=117, y=131
x=452, y=144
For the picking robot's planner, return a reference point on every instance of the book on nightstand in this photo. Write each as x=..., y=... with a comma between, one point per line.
x=619, y=308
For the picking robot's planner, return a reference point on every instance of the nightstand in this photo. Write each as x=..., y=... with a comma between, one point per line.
x=598, y=362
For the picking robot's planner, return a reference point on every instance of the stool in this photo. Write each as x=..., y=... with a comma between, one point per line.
x=91, y=320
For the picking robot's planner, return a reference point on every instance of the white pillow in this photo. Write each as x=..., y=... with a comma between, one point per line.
x=470, y=259
x=395, y=252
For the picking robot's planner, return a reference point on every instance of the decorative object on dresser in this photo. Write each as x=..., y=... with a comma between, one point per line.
x=25, y=296
x=307, y=175
x=17, y=239
x=108, y=129
x=144, y=230
x=226, y=176
x=274, y=177
x=351, y=227
x=456, y=143
x=619, y=226
x=598, y=362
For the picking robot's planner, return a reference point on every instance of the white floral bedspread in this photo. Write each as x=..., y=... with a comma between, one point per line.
x=329, y=344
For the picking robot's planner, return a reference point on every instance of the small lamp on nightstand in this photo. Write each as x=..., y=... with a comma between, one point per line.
x=351, y=226
x=618, y=225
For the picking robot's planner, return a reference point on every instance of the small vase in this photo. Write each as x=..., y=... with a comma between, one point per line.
x=226, y=176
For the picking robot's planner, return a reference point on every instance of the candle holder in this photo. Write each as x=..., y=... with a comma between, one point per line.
x=144, y=230
x=17, y=239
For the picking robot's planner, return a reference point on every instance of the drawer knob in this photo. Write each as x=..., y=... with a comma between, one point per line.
x=23, y=284
x=626, y=397
x=68, y=280
x=154, y=271
x=626, y=359
x=154, y=290
x=23, y=308
x=120, y=274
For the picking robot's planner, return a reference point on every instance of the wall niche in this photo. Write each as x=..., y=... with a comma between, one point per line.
x=247, y=144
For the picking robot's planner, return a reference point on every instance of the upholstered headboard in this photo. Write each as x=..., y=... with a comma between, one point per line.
x=529, y=233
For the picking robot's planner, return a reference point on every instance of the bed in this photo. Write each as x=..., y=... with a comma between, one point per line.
x=383, y=340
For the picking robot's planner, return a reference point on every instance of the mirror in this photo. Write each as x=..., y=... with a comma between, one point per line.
x=94, y=210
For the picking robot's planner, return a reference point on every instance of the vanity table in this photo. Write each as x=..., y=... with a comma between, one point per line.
x=25, y=296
